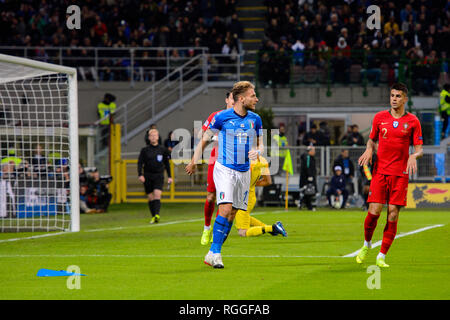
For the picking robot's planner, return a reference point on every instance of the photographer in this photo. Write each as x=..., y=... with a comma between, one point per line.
x=99, y=196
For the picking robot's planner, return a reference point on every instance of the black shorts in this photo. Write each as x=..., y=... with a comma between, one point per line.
x=153, y=181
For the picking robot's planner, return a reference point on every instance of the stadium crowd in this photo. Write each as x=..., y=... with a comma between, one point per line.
x=121, y=24
x=322, y=35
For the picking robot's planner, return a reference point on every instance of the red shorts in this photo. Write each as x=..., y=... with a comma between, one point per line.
x=388, y=189
x=210, y=186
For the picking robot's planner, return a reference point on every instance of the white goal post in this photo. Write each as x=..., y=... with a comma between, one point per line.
x=39, y=181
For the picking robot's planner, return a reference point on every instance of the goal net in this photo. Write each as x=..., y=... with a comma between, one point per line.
x=39, y=187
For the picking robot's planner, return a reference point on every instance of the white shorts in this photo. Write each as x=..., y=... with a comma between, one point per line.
x=232, y=186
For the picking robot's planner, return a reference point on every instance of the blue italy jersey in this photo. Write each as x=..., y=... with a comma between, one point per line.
x=236, y=137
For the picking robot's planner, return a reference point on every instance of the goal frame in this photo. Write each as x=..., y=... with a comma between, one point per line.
x=73, y=127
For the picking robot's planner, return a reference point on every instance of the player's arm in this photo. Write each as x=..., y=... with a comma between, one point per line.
x=206, y=139
x=366, y=157
x=411, y=167
x=140, y=165
x=266, y=180
x=254, y=153
x=417, y=141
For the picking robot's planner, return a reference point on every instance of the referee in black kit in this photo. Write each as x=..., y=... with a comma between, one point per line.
x=153, y=159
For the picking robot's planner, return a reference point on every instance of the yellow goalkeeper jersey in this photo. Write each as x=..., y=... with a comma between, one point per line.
x=258, y=168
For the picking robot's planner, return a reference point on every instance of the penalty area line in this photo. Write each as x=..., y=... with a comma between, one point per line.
x=378, y=243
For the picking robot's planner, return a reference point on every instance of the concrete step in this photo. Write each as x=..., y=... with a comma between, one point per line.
x=254, y=24
x=250, y=3
x=251, y=44
x=249, y=12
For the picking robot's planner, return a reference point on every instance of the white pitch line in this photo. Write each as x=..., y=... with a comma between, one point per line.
x=146, y=256
x=34, y=237
x=376, y=244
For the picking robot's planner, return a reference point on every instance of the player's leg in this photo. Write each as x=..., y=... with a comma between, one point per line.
x=389, y=233
x=248, y=226
x=376, y=199
x=157, y=203
x=208, y=211
x=209, y=206
x=224, y=181
x=148, y=185
x=397, y=199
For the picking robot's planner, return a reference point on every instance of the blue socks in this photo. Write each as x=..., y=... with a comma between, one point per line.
x=221, y=230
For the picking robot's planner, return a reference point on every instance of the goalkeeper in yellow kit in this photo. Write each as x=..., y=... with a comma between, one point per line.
x=247, y=225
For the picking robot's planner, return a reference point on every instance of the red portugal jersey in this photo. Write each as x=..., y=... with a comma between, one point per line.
x=213, y=156
x=394, y=137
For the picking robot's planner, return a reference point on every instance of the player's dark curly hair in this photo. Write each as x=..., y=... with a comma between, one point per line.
x=400, y=87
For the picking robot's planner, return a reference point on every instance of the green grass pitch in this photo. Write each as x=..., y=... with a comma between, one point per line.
x=126, y=258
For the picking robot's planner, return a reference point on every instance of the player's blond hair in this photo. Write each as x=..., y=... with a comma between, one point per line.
x=239, y=88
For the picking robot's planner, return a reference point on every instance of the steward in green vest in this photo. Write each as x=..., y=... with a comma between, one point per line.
x=12, y=158
x=444, y=106
x=282, y=142
x=106, y=107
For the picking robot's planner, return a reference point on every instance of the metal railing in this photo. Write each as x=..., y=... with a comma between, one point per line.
x=112, y=64
x=309, y=67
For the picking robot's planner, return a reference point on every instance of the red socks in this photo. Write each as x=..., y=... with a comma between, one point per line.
x=209, y=209
x=369, y=226
x=390, y=230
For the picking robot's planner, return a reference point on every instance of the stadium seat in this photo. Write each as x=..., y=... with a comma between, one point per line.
x=323, y=75
x=310, y=74
x=355, y=73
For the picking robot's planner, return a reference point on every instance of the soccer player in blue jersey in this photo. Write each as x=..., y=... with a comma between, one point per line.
x=239, y=128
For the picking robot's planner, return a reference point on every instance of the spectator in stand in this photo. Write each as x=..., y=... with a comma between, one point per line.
x=324, y=133
x=348, y=169
x=337, y=189
x=342, y=47
x=356, y=139
x=430, y=74
x=312, y=137
x=373, y=63
x=391, y=27
x=347, y=136
x=340, y=68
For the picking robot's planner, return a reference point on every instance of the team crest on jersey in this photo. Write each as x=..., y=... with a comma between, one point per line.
x=405, y=128
x=395, y=124
x=242, y=125
x=159, y=157
x=222, y=195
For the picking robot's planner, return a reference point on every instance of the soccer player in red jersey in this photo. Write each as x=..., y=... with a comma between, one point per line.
x=394, y=130
x=210, y=186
